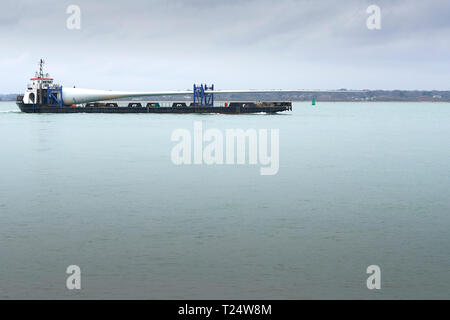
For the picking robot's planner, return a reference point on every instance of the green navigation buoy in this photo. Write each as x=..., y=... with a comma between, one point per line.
x=314, y=101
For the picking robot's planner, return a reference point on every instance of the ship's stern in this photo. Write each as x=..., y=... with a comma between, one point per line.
x=25, y=107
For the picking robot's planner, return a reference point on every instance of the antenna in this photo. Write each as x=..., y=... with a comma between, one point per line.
x=41, y=68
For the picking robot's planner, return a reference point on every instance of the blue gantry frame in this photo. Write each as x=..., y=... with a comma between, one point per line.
x=54, y=97
x=202, y=97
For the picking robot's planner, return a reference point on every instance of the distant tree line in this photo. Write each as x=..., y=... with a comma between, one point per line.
x=8, y=97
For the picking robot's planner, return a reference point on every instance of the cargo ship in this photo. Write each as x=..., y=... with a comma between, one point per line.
x=44, y=96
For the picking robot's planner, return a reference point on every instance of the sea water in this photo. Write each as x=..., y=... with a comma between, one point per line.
x=358, y=184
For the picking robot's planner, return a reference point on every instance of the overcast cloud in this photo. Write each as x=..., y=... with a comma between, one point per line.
x=165, y=45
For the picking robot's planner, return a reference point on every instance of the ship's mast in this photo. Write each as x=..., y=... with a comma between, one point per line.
x=41, y=68
x=41, y=76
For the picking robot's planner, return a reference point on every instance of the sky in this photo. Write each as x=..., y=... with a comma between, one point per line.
x=235, y=44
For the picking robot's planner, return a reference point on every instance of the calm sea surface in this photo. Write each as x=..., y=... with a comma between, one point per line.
x=359, y=184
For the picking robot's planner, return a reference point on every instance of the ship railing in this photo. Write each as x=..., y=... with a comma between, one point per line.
x=184, y=103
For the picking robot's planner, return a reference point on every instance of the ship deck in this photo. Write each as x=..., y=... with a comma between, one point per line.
x=161, y=107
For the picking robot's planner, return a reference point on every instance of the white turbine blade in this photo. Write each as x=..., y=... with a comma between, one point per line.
x=79, y=95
